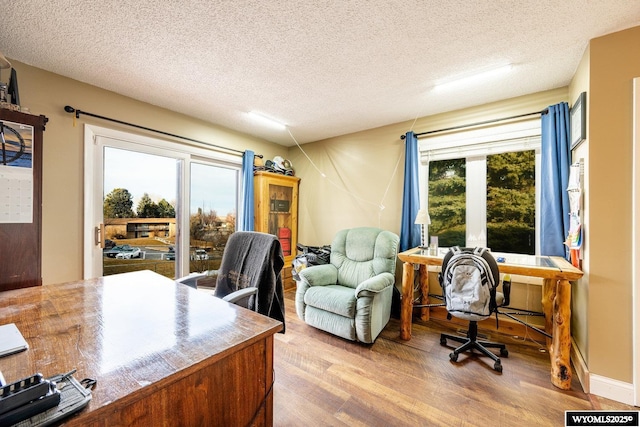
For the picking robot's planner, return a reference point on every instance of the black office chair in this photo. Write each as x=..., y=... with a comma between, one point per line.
x=250, y=273
x=496, y=299
x=240, y=297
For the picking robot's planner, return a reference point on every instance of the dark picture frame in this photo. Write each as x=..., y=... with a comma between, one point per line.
x=578, y=120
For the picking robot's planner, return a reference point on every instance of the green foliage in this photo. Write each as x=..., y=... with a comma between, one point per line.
x=510, y=201
x=147, y=208
x=166, y=209
x=447, y=204
x=511, y=204
x=118, y=203
x=511, y=237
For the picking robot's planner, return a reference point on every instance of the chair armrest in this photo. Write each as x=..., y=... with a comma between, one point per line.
x=319, y=275
x=240, y=294
x=376, y=283
x=192, y=279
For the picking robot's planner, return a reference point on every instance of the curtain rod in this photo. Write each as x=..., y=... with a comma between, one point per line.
x=545, y=111
x=70, y=109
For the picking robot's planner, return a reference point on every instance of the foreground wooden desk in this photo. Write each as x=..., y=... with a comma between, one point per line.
x=162, y=354
x=556, y=299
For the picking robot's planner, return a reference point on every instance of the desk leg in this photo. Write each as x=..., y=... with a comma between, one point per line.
x=406, y=303
x=548, y=296
x=561, y=342
x=423, y=277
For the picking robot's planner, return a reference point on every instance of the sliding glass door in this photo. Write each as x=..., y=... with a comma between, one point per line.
x=155, y=205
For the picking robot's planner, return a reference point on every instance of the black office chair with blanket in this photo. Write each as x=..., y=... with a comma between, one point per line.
x=250, y=273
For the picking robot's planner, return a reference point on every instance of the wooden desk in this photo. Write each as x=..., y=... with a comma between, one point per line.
x=556, y=299
x=162, y=354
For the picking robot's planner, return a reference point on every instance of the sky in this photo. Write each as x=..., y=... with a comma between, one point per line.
x=212, y=188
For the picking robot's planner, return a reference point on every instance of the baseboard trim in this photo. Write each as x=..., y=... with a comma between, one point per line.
x=580, y=368
x=611, y=389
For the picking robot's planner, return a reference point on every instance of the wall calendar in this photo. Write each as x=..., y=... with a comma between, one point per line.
x=16, y=172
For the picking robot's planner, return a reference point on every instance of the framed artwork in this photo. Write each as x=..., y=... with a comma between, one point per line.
x=578, y=120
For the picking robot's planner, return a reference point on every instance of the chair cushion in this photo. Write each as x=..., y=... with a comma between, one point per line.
x=330, y=322
x=332, y=298
x=363, y=252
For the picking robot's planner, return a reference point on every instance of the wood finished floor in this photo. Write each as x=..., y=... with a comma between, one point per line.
x=323, y=380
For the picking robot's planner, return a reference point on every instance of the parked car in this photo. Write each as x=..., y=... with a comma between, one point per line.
x=199, y=254
x=171, y=255
x=108, y=244
x=129, y=253
x=111, y=253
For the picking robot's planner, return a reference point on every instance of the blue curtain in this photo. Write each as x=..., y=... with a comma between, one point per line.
x=246, y=224
x=409, y=231
x=556, y=159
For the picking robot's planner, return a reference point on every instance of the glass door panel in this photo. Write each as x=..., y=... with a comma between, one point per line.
x=212, y=216
x=139, y=212
x=280, y=215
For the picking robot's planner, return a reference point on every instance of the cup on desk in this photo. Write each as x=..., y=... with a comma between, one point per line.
x=433, y=246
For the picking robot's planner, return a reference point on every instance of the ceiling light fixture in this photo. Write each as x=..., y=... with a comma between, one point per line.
x=266, y=120
x=4, y=62
x=480, y=77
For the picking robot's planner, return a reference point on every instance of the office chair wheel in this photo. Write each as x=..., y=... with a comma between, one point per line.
x=453, y=356
x=497, y=366
x=504, y=352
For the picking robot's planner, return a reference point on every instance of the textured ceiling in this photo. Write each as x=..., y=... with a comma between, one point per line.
x=324, y=68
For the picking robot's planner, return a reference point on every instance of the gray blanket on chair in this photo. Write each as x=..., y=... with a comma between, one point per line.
x=254, y=259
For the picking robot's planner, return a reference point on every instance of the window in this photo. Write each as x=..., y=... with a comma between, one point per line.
x=212, y=213
x=511, y=202
x=481, y=187
x=447, y=201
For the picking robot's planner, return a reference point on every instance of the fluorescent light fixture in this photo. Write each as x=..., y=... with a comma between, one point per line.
x=4, y=62
x=258, y=117
x=474, y=78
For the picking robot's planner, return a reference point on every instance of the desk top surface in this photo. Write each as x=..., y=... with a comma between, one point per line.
x=526, y=265
x=127, y=331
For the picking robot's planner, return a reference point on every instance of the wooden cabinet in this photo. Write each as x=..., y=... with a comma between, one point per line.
x=20, y=199
x=276, y=212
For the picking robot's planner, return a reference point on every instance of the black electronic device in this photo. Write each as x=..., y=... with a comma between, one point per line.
x=25, y=398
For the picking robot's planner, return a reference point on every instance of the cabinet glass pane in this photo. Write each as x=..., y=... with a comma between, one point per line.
x=280, y=215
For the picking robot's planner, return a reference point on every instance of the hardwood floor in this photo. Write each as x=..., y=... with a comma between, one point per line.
x=323, y=380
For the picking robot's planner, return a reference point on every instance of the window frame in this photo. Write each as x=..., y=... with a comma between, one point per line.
x=475, y=145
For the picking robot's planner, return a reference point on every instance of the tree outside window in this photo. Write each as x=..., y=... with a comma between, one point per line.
x=510, y=202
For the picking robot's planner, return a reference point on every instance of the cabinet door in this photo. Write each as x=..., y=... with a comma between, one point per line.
x=280, y=217
x=276, y=211
x=20, y=189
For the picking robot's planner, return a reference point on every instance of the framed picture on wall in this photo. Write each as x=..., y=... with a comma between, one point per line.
x=578, y=120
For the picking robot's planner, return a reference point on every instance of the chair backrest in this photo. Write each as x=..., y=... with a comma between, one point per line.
x=363, y=252
x=253, y=259
x=469, y=278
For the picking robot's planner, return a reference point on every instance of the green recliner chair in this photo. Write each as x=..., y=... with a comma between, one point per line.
x=351, y=296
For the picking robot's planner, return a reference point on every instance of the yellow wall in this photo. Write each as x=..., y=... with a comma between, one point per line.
x=62, y=223
x=365, y=170
x=580, y=289
x=614, y=62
